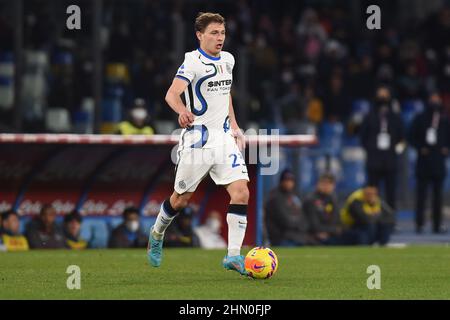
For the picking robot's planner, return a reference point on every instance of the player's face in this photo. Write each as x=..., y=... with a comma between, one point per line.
x=212, y=39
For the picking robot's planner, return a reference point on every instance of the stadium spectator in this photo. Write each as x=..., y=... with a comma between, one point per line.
x=366, y=218
x=43, y=232
x=382, y=135
x=72, y=228
x=128, y=233
x=285, y=222
x=430, y=135
x=322, y=212
x=138, y=122
x=336, y=100
x=208, y=234
x=181, y=233
x=10, y=237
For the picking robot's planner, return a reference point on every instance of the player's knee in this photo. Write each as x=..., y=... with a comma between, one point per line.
x=240, y=195
x=179, y=202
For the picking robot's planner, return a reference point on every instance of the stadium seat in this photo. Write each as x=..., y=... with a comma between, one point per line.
x=307, y=173
x=353, y=169
x=117, y=73
x=7, y=64
x=447, y=180
x=360, y=106
x=111, y=113
x=409, y=109
x=330, y=137
x=165, y=126
x=23, y=223
x=63, y=58
x=328, y=164
x=6, y=92
x=95, y=231
x=411, y=162
x=57, y=120
x=146, y=223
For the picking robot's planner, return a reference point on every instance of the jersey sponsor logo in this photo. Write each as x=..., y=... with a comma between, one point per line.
x=217, y=83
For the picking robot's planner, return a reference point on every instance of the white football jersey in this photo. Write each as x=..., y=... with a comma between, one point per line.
x=207, y=97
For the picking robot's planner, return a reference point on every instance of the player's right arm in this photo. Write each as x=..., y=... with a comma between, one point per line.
x=185, y=75
x=173, y=99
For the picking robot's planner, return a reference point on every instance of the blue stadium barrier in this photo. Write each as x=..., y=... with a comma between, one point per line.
x=95, y=231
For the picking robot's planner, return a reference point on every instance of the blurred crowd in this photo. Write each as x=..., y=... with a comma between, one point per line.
x=45, y=232
x=364, y=218
x=307, y=63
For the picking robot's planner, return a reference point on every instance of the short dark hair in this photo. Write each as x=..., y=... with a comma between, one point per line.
x=370, y=185
x=327, y=176
x=204, y=19
x=6, y=214
x=287, y=174
x=130, y=210
x=74, y=215
x=45, y=207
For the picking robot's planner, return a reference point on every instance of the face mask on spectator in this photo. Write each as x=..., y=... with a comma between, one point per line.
x=132, y=226
x=139, y=113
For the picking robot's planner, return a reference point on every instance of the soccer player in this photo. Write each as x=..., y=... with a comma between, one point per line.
x=211, y=141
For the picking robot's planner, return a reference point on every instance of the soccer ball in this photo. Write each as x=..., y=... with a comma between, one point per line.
x=261, y=263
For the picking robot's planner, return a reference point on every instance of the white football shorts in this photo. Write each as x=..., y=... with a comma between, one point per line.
x=225, y=164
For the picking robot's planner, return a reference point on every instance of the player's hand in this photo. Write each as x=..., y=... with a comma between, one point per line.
x=445, y=151
x=424, y=151
x=239, y=138
x=185, y=119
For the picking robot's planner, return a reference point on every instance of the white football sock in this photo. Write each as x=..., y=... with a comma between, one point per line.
x=163, y=220
x=237, y=225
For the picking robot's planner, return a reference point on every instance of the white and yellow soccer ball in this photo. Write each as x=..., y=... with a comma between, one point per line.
x=261, y=263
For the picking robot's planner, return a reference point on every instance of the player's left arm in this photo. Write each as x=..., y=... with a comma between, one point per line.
x=235, y=130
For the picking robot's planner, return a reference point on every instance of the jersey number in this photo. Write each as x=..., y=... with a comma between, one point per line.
x=235, y=159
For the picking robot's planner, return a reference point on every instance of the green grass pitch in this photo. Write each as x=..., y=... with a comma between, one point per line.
x=304, y=273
